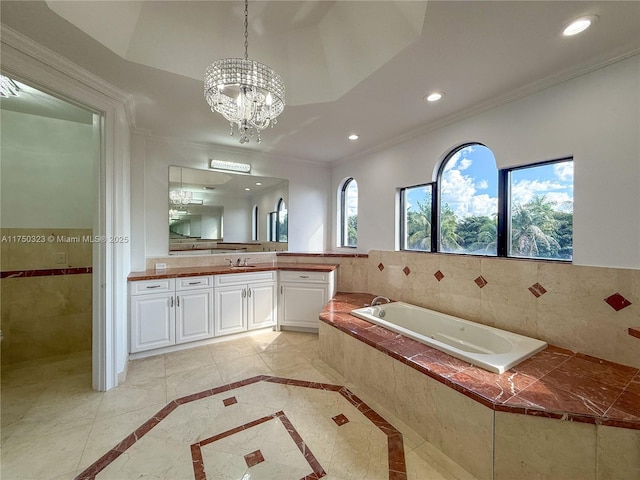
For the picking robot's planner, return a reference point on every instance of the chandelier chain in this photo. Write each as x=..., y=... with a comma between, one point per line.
x=246, y=29
x=249, y=94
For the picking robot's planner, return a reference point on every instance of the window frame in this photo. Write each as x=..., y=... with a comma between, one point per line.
x=503, y=233
x=344, y=218
x=403, y=219
x=504, y=206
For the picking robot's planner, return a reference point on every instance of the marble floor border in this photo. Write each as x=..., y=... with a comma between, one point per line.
x=395, y=445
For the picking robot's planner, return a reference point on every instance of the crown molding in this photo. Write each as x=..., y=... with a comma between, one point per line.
x=514, y=95
x=53, y=60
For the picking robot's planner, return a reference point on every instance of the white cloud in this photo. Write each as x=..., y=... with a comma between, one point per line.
x=482, y=185
x=464, y=164
x=564, y=171
x=561, y=195
x=459, y=192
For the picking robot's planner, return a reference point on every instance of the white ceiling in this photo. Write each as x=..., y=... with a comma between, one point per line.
x=349, y=66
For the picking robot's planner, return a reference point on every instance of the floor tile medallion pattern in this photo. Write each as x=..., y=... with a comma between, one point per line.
x=270, y=445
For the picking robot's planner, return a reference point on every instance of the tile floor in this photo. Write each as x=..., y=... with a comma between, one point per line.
x=247, y=421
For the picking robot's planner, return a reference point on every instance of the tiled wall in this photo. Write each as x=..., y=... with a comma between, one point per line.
x=562, y=304
x=47, y=314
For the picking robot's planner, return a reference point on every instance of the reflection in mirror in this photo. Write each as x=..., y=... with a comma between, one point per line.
x=222, y=213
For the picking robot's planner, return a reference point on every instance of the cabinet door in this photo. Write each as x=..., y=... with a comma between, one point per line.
x=261, y=305
x=152, y=321
x=301, y=304
x=230, y=307
x=194, y=315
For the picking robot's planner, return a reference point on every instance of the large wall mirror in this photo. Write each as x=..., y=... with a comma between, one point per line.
x=220, y=212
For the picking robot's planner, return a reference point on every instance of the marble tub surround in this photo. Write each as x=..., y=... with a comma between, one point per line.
x=469, y=413
x=54, y=426
x=560, y=303
x=554, y=383
x=224, y=269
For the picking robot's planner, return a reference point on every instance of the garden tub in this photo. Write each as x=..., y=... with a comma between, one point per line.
x=487, y=347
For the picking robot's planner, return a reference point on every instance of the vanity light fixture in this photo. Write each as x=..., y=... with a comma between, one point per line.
x=8, y=87
x=433, y=96
x=579, y=25
x=230, y=166
x=247, y=93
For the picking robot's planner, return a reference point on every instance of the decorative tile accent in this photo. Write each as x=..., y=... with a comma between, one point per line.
x=340, y=419
x=537, y=290
x=406, y=270
x=439, y=275
x=481, y=281
x=395, y=445
x=229, y=401
x=380, y=266
x=617, y=301
x=253, y=458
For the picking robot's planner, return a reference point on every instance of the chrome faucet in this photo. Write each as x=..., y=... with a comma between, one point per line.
x=377, y=300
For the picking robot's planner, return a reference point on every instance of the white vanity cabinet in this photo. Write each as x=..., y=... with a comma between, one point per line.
x=244, y=301
x=303, y=295
x=170, y=311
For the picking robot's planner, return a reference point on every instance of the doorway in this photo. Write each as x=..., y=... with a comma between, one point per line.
x=49, y=161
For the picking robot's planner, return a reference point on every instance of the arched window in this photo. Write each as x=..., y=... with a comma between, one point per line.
x=255, y=234
x=348, y=213
x=468, y=201
x=282, y=222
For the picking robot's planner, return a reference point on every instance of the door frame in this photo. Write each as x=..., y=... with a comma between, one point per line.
x=28, y=61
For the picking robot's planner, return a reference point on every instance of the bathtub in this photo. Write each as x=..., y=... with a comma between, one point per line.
x=490, y=348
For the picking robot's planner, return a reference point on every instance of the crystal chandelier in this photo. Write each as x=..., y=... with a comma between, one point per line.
x=247, y=93
x=180, y=197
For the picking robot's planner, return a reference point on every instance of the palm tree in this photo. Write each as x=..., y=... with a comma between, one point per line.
x=448, y=225
x=533, y=229
x=419, y=227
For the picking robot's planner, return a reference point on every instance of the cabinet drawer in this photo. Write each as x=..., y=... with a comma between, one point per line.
x=241, y=278
x=191, y=283
x=145, y=287
x=304, y=277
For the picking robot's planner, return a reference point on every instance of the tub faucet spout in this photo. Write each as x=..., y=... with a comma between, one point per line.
x=377, y=301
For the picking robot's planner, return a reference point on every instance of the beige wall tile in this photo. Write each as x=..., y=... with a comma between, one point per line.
x=543, y=448
x=618, y=453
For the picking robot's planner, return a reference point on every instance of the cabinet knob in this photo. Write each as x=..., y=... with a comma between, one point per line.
x=171, y=303
x=303, y=276
x=244, y=292
x=195, y=283
x=153, y=286
x=249, y=290
x=177, y=301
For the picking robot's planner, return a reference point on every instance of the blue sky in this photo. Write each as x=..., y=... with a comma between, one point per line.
x=470, y=184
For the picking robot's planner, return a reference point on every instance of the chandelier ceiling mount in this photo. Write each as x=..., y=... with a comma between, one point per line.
x=249, y=94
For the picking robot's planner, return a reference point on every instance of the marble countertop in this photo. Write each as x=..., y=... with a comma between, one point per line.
x=225, y=269
x=554, y=383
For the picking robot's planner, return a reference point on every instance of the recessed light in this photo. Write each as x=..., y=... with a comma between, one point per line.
x=433, y=96
x=579, y=25
x=247, y=189
x=353, y=136
x=258, y=183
